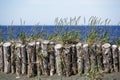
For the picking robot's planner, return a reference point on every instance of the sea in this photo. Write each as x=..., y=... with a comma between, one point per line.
x=113, y=31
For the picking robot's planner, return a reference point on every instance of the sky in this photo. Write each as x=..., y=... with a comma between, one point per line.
x=45, y=11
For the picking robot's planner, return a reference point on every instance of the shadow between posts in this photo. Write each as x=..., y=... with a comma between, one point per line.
x=49, y=58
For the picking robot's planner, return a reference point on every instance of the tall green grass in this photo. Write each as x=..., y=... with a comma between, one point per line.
x=62, y=32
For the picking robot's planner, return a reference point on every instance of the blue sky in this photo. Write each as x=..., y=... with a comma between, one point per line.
x=45, y=11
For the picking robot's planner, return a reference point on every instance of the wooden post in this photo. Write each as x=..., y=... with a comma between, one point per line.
x=7, y=57
x=13, y=58
x=67, y=59
x=115, y=57
x=99, y=57
x=93, y=57
x=58, y=52
x=80, y=58
x=18, y=60
x=74, y=59
x=52, y=58
x=86, y=58
x=24, y=59
x=39, y=58
x=31, y=59
x=119, y=57
x=1, y=59
x=107, y=57
x=44, y=47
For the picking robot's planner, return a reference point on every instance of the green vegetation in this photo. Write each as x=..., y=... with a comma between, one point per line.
x=63, y=33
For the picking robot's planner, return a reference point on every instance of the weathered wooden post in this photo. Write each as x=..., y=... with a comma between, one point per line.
x=68, y=60
x=119, y=57
x=18, y=59
x=58, y=53
x=107, y=57
x=31, y=59
x=24, y=59
x=74, y=59
x=13, y=58
x=44, y=47
x=99, y=57
x=93, y=57
x=80, y=58
x=115, y=57
x=86, y=58
x=7, y=57
x=39, y=58
x=1, y=59
x=52, y=58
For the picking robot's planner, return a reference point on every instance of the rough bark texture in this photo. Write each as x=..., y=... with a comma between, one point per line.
x=58, y=53
x=67, y=59
x=39, y=58
x=107, y=58
x=18, y=59
x=80, y=58
x=13, y=58
x=44, y=47
x=86, y=58
x=7, y=57
x=93, y=57
x=31, y=59
x=24, y=59
x=99, y=57
x=1, y=59
x=115, y=57
x=52, y=58
x=74, y=59
x=119, y=57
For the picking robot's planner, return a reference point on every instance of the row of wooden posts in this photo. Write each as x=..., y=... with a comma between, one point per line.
x=49, y=58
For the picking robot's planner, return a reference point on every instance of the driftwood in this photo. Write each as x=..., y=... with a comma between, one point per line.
x=31, y=59
x=7, y=57
x=67, y=59
x=86, y=58
x=58, y=53
x=18, y=60
x=107, y=57
x=74, y=59
x=13, y=58
x=52, y=58
x=115, y=57
x=24, y=59
x=44, y=47
x=1, y=59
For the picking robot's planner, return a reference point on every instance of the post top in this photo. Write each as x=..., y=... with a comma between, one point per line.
x=114, y=46
x=45, y=42
x=37, y=42
x=85, y=45
x=106, y=45
x=58, y=46
x=18, y=45
x=119, y=48
x=22, y=45
x=79, y=44
x=52, y=43
x=6, y=44
x=73, y=45
x=31, y=43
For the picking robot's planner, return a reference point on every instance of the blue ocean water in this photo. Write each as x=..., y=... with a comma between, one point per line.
x=112, y=31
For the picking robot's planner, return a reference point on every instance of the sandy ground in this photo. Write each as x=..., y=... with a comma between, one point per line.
x=112, y=76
